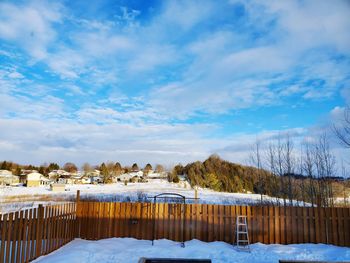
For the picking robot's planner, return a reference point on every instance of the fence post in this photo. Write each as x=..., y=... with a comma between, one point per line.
x=78, y=216
x=39, y=228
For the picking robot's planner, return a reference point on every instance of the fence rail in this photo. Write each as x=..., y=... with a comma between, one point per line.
x=269, y=225
x=28, y=234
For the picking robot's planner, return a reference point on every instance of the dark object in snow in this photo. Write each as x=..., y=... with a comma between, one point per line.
x=306, y=261
x=173, y=260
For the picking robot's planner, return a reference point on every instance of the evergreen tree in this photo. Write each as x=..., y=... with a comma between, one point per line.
x=53, y=166
x=147, y=168
x=3, y=165
x=135, y=167
x=105, y=173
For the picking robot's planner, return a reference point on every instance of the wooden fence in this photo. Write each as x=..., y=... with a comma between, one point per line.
x=269, y=225
x=28, y=234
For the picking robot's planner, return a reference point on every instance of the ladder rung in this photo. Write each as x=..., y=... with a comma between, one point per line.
x=242, y=232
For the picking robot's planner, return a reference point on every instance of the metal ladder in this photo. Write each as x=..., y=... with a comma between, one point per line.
x=242, y=236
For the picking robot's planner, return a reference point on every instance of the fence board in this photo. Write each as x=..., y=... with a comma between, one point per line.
x=24, y=236
x=288, y=219
x=347, y=226
x=8, y=238
x=271, y=225
x=266, y=225
x=340, y=224
x=3, y=236
x=334, y=225
x=317, y=226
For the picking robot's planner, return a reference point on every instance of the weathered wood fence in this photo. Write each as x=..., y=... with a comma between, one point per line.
x=28, y=234
x=269, y=225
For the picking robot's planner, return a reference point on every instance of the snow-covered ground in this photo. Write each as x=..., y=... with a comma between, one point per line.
x=130, y=250
x=126, y=193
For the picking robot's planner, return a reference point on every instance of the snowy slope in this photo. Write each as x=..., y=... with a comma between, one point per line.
x=121, y=192
x=130, y=250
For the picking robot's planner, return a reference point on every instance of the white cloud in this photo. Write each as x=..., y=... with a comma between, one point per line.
x=195, y=68
x=30, y=26
x=38, y=141
x=15, y=75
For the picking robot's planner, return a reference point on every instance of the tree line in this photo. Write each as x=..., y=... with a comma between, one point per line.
x=107, y=169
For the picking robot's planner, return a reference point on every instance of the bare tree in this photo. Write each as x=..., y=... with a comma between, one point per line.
x=344, y=175
x=255, y=159
x=308, y=168
x=289, y=165
x=325, y=169
x=159, y=168
x=271, y=158
x=70, y=167
x=87, y=167
x=343, y=131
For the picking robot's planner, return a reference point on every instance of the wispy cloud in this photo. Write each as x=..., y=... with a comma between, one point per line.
x=173, y=75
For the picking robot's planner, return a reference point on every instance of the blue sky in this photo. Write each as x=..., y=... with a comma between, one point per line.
x=167, y=81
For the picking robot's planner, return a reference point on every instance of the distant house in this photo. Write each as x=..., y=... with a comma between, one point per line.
x=75, y=179
x=136, y=174
x=86, y=180
x=183, y=177
x=62, y=180
x=7, y=178
x=54, y=174
x=37, y=179
x=157, y=175
x=128, y=176
x=33, y=179
x=93, y=173
x=96, y=179
x=123, y=177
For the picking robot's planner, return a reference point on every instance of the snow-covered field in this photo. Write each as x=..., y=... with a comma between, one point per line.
x=130, y=250
x=10, y=196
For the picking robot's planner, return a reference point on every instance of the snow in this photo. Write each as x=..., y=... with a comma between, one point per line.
x=125, y=193
x=130, y=250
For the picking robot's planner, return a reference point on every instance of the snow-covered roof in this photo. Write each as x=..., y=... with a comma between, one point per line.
x=5, y=173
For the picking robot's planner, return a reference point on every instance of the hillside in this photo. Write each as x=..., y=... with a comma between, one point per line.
x=221, y=175
x=224, y=176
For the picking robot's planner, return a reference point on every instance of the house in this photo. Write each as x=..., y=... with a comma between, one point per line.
x=162, y=175
x=36, y=179
x=86, y=180
x=7, y=178
x=62, y=180
x=33, y=179
x=128, y=176
x=75, y=179
x=93, y=173
x=183, y=177
x=123, y=177
x=136, y=174
x=54, y=174
x=96, y=180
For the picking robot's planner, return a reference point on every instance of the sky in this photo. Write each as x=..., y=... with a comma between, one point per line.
x=167, y=81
